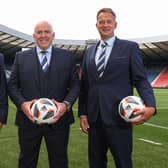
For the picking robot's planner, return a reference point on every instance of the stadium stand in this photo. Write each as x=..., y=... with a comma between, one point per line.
x=161, y=81
x=153, y=71
x=154, y=51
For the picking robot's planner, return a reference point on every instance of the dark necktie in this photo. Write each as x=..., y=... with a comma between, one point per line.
x=44, y=63
x=101, y=60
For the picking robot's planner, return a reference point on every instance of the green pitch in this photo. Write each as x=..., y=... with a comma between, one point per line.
x=150, y=141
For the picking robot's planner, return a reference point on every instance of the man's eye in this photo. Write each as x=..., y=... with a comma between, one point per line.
x=43, y=32
x=101, y=22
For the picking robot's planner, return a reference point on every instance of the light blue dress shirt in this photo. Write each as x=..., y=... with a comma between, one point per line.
x=48, y=54
x=109, y=47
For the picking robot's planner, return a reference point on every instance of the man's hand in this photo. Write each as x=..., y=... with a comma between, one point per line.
x=26, y=108
x=1, y=125
x=146, y=113
x=84, y=124
x=61, y=110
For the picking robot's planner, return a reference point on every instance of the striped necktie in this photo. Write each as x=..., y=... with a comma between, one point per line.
x=101, y=60
x=44, y=63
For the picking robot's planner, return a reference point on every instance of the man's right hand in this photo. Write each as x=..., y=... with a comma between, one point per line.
x=26, y=108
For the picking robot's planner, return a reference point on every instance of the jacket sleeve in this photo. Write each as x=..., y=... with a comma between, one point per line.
x=83, y=96
x=74, y=82
x=14, y=89
x=139, y=77
x=3, y=92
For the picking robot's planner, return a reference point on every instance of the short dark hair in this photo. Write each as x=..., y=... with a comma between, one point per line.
x=107, y=10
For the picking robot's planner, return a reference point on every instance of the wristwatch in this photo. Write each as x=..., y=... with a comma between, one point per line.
x=68, y=105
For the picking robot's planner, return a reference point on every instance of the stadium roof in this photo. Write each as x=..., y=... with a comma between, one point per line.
x=154, y=49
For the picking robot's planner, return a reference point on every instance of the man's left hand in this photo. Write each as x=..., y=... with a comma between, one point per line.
x=1, y=125
x=146, y=113
x=61, y=110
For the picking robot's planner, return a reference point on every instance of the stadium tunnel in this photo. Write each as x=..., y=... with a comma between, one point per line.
x=154, y=49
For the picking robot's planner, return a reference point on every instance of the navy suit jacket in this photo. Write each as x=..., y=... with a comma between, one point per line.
x=24, y=82
x=123, y=71
x=3, y=92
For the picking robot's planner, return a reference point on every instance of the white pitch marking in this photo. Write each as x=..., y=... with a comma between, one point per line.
x=161, y=108
x=149, y=141
x=154, y=125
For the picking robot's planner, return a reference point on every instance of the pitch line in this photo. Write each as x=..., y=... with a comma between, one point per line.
x=154, y=125
x=161, y=108
x=149, y=141
x=158, y=108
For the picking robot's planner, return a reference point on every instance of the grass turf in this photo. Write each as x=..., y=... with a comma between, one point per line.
x=146, y=154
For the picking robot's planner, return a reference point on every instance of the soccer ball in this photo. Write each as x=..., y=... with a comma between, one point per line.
x=43, y=111
x=128, y=106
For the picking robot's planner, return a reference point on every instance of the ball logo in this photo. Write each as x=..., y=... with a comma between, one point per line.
x=43, y=111
x=128, y=106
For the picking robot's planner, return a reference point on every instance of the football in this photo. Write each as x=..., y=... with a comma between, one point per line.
x=128, y=106
x=43, y=111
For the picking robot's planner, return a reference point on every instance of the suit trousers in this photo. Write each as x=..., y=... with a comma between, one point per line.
x=118, y=139
x=56, y=139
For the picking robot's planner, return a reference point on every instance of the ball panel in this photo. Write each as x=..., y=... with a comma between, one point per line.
x=49, y=115
x=35, y=111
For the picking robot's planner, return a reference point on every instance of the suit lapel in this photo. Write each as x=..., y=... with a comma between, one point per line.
x=54, y=62
x=92, y=54
x=34, y=64
x=114, y=53
x=54, y=73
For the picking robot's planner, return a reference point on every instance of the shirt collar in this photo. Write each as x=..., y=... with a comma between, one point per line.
x=48, y=50
x=110, y=41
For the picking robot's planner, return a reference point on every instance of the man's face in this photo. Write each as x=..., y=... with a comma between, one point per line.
x=106, y=25
x=43, y=35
